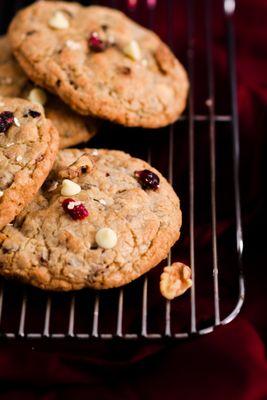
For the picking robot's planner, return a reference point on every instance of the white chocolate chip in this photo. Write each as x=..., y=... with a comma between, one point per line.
x=106, y=238
x=103, y=202
x=132, y=50
x=71, y=44
x=18, y=158
x=95, y=152
x=73, y=204
x=1, y=193
x=70, y=188
x=59, y=21
x=16, y=122
x=37, y=96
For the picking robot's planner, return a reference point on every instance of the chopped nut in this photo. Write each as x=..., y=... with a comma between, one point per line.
x=83, y=165
x=106, y=238
x=59, y=21
x=70, y=188
x=175, y=280
x=132, y=50
x=37, y=96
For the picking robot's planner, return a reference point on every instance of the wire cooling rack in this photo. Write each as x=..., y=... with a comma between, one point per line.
x=199, y=154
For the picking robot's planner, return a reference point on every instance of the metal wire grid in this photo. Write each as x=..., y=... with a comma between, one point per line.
x=211, y=118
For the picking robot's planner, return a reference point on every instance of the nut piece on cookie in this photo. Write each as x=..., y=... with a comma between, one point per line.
x=175, y=280
x=84, y=165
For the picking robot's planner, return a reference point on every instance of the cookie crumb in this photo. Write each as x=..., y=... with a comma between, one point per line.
x=208, y=102
x=175, y=280
x=106, y=238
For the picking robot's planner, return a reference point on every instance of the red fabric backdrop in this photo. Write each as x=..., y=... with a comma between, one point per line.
x=228, y=364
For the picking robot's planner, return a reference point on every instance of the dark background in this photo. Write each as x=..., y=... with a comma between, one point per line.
x=231, y=362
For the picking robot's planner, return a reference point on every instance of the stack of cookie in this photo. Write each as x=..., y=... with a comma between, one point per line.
x=82, y=218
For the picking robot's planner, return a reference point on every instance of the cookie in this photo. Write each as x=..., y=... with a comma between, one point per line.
x=72, y=127
x=100, y=62
x=28, y=147
x=102, y=219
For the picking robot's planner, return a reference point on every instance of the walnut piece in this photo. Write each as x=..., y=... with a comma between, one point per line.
x=83, y=165
x=175, y=280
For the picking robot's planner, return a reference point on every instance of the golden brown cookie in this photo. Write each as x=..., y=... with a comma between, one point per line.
x=100, y=62
x=28, y=147
x=72, y=127
x=102, y=219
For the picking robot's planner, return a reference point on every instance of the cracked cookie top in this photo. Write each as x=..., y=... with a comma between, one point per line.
x=93, y=224
x=100, y=62
x=28, y=147
x=72, y=127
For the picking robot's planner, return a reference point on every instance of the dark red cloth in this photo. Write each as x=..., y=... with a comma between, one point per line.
x=227, y=364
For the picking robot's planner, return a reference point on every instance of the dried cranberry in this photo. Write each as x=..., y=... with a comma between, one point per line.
x=95, y=43
x=75, y=209
x=6, y=120
x=147, y=179
x=34, y=114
